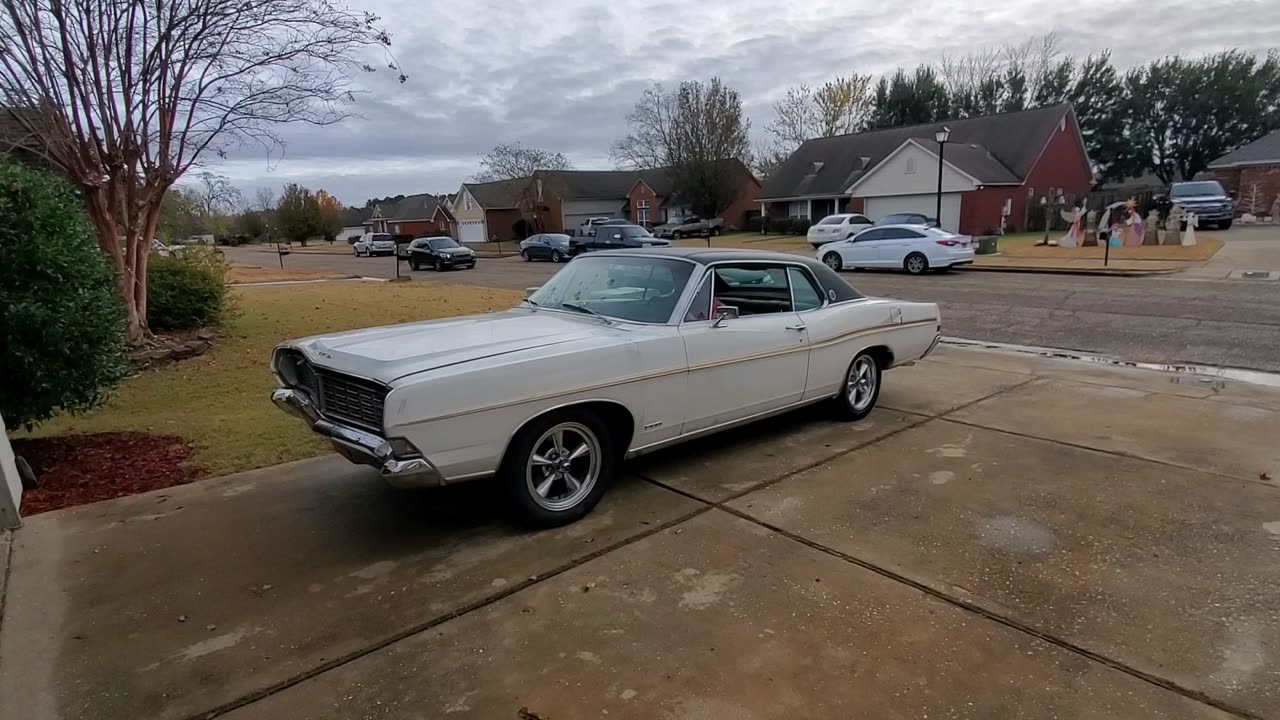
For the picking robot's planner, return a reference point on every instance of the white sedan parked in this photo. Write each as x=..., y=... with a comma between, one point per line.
x=914, y=248
x=837, y=227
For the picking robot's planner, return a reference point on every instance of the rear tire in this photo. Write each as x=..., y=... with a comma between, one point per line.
x=916, y=263
x=542, y=481
x=860, y=389
x=714, y=231
x=675, y=235
x=833, y=261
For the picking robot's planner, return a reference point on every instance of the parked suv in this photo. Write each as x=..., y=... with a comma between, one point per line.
x=1206, y=199
x=371, y=244
x=440, y=253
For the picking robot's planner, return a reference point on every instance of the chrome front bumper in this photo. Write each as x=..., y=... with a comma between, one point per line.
x=359, y=446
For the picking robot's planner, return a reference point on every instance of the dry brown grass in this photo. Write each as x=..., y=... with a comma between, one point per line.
x=1023, y=245
x=220, y=402
x=239, y=274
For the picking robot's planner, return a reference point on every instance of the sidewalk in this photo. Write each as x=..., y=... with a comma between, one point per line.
x=1008, y=535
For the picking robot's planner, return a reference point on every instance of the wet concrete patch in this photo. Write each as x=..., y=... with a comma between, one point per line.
x=724, y=465
x=774, y=630
x=1167, y=570
x=173, y=603
x=1189, y=432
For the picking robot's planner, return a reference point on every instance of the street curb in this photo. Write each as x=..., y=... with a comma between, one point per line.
x=1102, y=272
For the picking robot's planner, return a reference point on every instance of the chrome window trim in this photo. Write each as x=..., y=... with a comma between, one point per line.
x=710, y=267
x=817, y=289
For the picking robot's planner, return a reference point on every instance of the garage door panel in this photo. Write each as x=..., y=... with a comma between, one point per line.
x=878, y=207
x=471, y=231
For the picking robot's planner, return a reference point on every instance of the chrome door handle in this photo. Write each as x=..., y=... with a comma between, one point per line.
x=797, y=328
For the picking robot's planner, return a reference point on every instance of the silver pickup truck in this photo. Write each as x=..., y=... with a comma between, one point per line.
x=691, y=226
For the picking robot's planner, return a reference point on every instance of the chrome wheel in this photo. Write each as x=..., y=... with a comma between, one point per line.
x=860, y=385
x=564, y=466
x=555, y=256
x=832, y=260
x=916, y=263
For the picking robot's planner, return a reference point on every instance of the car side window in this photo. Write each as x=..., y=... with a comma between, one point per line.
x=752, y=289
x=870, y=235
x=860, y=219
x=910, y=234
x=700, y=308
x=804, y=296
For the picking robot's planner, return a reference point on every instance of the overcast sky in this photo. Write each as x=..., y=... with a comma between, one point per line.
x=562, y=74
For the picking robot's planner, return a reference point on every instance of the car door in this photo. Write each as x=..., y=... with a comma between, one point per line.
x=747, y=365
x=538, y=246
x=861, y=250
x=893, y=251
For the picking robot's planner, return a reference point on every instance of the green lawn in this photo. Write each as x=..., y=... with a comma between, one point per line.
x=220, y=402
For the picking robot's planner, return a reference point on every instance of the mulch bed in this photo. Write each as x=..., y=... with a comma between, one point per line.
x=79, y=469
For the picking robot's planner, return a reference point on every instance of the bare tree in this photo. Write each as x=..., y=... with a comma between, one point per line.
x=216, y=194
x=264, y=200
x=651, y=120
x=507, y=162
x=124, y=96
x=839, y=106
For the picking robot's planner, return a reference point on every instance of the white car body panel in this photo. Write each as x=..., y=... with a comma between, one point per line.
x=862, y=252
x=850, y=224
x=460, y=389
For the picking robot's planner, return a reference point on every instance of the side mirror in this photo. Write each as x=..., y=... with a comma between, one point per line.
x=528, y=292
x=727, y=312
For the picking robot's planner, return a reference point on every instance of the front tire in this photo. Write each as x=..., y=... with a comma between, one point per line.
x=675, y=235
x=556, y=257
x=861, y=387
x=413, y=264
x=714, y=231
x=525, y=254
x=916, y=263
x=558, y=467
x=437, y=265
x=833, y=261
x=1225, y=225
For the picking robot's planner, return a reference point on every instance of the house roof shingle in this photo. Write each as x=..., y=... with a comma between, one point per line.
x=353, y=216
x=992, y=148
x=1265, y=149
x=498, y=194
x=413, y=207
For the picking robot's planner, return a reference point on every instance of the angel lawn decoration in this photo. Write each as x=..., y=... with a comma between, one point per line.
x=1075, y=233
x=1189, y=235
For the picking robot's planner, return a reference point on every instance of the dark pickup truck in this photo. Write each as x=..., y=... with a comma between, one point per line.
x=615, y=237
x=1205, y=198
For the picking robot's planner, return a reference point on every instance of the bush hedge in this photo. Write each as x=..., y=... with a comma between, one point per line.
x=186, y=290
x=61, y=329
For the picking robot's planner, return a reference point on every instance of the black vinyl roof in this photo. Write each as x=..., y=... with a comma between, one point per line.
x=826, y=277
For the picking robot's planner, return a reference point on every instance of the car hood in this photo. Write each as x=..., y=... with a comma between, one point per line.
x=455, y=251
x=388, y=353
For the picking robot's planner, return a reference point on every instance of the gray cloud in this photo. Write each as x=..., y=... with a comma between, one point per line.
x=563, y=74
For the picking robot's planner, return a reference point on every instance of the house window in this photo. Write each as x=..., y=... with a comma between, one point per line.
x=467, y=201
x=911, y=166
x=396, y=228
x=642, y=215
x=642, y=203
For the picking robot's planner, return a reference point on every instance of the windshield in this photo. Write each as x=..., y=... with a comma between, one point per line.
x=832, y=220
x=1190, y=189
x=442, y=243
x=640, y=289
x=635, y=231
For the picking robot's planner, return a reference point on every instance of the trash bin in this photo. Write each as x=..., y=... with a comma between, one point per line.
x=986, y=245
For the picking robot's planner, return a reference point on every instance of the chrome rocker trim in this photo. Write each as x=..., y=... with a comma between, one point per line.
x=359, y=446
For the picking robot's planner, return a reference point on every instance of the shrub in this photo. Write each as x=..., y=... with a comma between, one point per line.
x=186, y=290
x=61, y=329
x=799, y=225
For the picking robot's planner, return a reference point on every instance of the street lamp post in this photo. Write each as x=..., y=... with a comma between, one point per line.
x=941, y=136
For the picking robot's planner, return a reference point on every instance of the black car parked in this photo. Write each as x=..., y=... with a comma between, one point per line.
x=610, y=237
x=439, y=253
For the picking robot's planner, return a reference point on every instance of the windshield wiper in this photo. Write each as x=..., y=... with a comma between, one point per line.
x=585, y=309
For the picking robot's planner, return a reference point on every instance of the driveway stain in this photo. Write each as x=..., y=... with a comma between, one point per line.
x=1017, y=535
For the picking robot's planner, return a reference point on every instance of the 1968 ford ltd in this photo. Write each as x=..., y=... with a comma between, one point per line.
x=620, y=353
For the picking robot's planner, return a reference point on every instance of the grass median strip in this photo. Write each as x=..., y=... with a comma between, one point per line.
x=219, y=402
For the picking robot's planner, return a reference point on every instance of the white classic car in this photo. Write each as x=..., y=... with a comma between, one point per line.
x=620, y=353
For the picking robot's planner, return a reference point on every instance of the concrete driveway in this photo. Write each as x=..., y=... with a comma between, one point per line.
x=1009, y=536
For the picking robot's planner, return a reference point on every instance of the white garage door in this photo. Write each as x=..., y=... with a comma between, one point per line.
x=471, y=231
x=878, y=207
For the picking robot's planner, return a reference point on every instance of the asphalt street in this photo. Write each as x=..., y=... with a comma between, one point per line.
x=1191, y=318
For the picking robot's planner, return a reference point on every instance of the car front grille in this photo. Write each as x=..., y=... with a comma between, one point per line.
x=356, y=400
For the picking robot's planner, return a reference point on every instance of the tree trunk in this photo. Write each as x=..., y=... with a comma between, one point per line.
x=123, y=262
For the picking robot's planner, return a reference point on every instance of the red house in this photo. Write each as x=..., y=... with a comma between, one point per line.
x=992, y=165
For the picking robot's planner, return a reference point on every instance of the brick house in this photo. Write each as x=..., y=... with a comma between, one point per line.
x=564, y=199
x=489, y=211
x=415, y=215
x=993, y=165
x=1251, y=174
